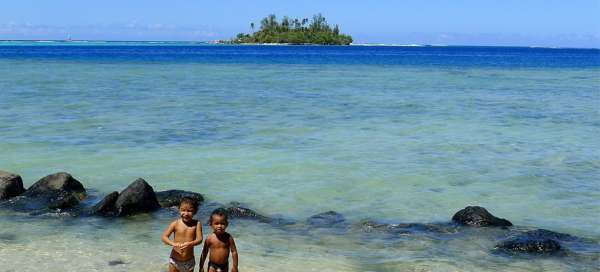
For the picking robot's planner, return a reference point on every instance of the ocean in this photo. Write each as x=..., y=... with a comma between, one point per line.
x=386, y=133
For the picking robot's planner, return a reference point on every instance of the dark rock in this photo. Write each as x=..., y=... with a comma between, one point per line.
x=52, y=193
x=106, y=207
x=479, y=217
x=407, y=228
x=62, y=200
x=530, y=246
x=11, y=185
x=548, y=234
x=236, y=210
x=326, y=219
x=116, y=262
x=56, y=183
x=536, y=241
x=171, y=198
x=138, y=197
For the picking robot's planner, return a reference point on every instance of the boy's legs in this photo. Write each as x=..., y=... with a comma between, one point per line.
x=172, y=268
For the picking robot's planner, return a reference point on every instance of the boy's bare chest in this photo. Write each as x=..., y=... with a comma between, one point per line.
x=185, y=231
x=216, y=243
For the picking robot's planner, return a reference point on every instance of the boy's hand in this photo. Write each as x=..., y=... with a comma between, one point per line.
x=234, y=269
x=184, y=245
x=177, y=248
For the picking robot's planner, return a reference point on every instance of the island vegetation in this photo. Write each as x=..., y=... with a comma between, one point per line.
x=294, y=31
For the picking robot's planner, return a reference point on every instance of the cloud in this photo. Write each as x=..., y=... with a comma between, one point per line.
x=124, y=31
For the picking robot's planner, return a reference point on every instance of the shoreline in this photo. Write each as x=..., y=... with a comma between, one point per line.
x=175, y=43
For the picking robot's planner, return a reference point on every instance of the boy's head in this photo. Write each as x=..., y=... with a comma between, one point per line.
x=187, y=208
x=218, y=220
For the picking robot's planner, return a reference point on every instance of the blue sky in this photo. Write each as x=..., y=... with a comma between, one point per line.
x=572, y=23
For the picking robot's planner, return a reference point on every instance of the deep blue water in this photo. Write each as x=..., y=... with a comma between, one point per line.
x=434, y=56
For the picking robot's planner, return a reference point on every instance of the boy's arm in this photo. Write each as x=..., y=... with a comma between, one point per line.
x=167, y=233
x=234, y=255
x=204, y=253
x=198, y=239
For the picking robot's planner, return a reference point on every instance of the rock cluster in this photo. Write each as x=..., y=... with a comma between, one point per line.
x=61, y=192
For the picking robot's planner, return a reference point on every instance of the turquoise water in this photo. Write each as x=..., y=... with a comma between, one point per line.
x=390, y=134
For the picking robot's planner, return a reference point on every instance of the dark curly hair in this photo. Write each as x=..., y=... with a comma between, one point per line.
x=190, y=201
x=220, y=212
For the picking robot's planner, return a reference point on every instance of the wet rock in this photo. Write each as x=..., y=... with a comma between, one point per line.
x=406, y=228
x=106, y=207
x=479, y=217
x=56, y=183
x=138, y=197
x=54, y=192
x=537, y=241
x=548, y=234
x=236, y=210
x=326, y=219
x=116, y=262
x=171, y=198
x=11, y=185
x=63, y=200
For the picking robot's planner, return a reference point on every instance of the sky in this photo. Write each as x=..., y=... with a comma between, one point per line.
x=549, y=23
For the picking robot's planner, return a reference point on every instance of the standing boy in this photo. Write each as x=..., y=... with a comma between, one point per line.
x=187, y=234
x=218, y=244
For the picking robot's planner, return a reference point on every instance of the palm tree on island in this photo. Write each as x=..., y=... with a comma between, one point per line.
x=294, y=31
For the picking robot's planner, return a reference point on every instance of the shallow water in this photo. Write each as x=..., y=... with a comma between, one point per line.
x=387, y=133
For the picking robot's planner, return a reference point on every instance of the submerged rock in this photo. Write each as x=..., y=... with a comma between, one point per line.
x=171, y=198
x=106, y=207
x=479, y=217
x=406, y=228
x=11, y=185
x=8, y=237
x=326, y=219
x=537, y=241
x=236, y=210
x=138, y=197
x=54, y=192
x=116, y=262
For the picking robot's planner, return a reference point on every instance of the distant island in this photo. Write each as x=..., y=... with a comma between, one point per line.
x=293, y=31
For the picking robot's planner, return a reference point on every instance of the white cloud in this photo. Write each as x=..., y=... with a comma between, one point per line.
x=125, y=31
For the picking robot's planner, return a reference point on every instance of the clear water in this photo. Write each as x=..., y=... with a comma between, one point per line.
x=393, y=134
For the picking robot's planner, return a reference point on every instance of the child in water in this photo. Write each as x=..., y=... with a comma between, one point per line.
x=219, y=244
x=187, y=234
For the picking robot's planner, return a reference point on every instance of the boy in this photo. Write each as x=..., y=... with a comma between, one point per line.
x=219, y=244
x=187, y=234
